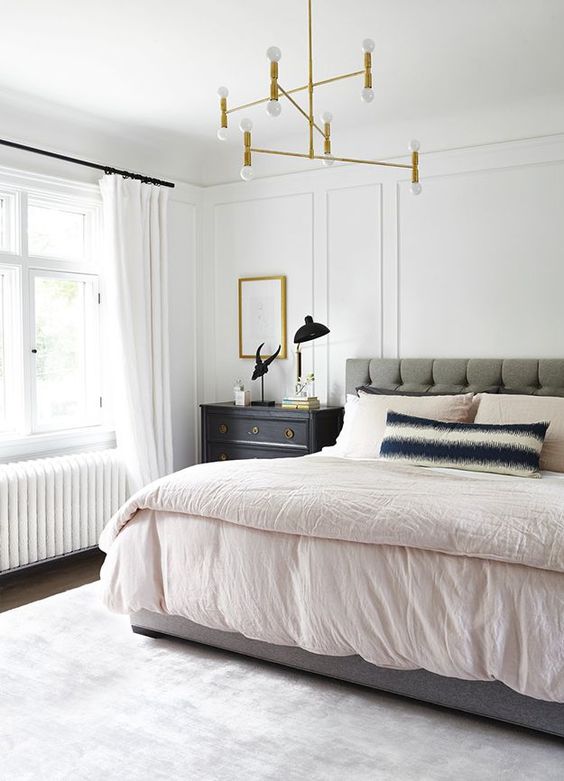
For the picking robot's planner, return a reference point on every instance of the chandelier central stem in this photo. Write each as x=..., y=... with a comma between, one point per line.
x=310, y=81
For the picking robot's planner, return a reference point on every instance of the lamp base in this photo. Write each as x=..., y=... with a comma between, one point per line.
x=263, y=403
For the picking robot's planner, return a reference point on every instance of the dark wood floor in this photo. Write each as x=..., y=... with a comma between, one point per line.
x=19, y=588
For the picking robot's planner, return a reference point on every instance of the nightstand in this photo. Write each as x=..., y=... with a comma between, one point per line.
x=230, y=432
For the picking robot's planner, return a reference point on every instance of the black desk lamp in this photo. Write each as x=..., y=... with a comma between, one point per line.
x=306, y=333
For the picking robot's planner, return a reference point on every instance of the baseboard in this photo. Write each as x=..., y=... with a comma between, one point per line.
x=46, y=565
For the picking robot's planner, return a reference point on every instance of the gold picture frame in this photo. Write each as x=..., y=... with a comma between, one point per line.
x=262, y=318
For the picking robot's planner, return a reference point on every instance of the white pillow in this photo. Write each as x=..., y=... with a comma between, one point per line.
x=368, y=423
x=351, y=406
x=510, y=408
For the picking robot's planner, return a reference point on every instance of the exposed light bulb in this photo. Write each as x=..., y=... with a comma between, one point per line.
x=223, y=92
x=273, y=54
x=416, y=188
x=273, y=108
x=245, y=125
x=368, y=45
x=367, y=95
x=247, y=173
x=328, y=160
x=414, y=145
x=327, y=117
x=222, y=134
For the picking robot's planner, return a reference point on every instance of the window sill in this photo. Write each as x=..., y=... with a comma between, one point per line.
x=55, y=443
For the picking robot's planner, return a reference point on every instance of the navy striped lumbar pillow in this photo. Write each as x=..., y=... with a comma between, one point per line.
x=510, y=449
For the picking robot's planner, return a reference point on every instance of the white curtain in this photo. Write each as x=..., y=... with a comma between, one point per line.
x=135, y=227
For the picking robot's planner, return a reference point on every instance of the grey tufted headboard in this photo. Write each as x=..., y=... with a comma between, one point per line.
x=543, y=377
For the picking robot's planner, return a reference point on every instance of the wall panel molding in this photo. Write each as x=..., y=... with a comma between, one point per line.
x=489, y=297
x=354, y=261
x=401, y=249
x=258, y=237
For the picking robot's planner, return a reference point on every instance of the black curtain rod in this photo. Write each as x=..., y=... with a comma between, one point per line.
x=107, y=169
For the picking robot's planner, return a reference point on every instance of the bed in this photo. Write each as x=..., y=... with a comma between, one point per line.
x=321, y=563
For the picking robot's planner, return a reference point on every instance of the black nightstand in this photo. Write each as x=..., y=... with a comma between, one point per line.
x=230, y=432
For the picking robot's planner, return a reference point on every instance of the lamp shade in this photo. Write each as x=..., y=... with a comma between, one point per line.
x=309, y=331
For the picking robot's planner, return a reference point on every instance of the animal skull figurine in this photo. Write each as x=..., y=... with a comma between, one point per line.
x=261, y=367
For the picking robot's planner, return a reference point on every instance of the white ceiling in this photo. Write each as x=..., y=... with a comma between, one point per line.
x=157, y=65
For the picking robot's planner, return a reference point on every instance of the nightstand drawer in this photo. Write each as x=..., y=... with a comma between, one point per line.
x=227, y=428
x=218, y=451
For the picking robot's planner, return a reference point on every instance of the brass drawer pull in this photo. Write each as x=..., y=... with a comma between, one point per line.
x=223, y=456
x=289, y=433
x=223, y=428
x=254, y=430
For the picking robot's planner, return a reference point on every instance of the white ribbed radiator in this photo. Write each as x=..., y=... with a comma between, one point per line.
x=54, y=506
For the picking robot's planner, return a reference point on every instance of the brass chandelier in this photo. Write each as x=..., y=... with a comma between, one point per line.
x=273, y=109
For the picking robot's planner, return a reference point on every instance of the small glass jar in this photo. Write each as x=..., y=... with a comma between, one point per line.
x=237, y=388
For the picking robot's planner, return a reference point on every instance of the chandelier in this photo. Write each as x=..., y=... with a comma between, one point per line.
x=274, y=109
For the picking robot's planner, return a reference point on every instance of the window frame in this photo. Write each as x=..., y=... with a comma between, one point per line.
x=12, y=213
x=28, y=439
x=11, y=293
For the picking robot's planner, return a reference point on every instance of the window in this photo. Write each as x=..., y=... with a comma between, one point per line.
x=55, y=232
x=50, y=378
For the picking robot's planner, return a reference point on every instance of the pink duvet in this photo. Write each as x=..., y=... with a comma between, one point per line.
x=461, y=574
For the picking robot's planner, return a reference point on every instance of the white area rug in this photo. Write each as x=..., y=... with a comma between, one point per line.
x=84, y=698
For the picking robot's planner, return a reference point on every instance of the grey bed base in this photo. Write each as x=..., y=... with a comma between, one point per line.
x=483, y=698
x=491, y=699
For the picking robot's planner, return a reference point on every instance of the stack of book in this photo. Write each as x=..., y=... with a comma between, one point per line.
x=300, y=402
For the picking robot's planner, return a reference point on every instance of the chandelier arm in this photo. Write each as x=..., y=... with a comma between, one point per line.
x=333, y=78
x=366, y=162
x=337, y=159
x=278, y=152
x=297, y=89
x=249, y=105
x=300, y=109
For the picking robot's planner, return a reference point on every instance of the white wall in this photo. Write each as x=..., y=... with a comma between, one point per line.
x=472, y=267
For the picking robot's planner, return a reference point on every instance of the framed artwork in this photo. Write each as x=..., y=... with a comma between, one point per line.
x=262, y=316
